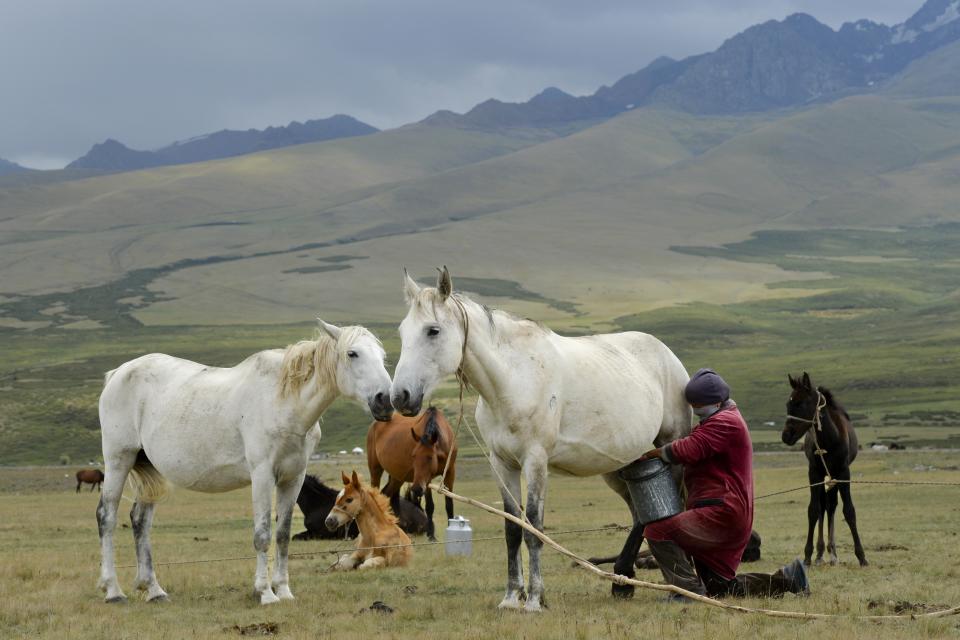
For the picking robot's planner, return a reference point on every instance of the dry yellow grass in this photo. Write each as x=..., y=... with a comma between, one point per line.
x=49, y=563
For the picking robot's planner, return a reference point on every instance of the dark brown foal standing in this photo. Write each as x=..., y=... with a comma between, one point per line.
x=830, y=444
x=413, y=450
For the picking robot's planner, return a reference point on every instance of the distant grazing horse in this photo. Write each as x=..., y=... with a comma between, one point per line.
x=316, y=499
x=579, y=406
x=830, y=444
x=214, y=430
x=93, y=477
x=381, y=543
x=413, y=450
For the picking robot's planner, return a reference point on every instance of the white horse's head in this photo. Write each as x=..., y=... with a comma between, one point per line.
x=359, y=368
x=432, y=342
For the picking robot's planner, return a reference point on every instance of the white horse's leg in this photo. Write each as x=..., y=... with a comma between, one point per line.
x=535, y=473
x=286, y=498
x=515, y=595
x=141, y=519
x=116, y=468
x=262, y=484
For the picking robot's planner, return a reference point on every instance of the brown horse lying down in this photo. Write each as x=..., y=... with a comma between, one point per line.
x=377, y=524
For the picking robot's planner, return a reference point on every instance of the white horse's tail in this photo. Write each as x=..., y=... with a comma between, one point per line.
x=147, y=482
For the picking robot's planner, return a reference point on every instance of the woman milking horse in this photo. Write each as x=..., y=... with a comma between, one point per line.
x=717, y=459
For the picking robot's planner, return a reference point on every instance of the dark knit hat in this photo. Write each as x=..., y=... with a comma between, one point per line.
x=706, y=387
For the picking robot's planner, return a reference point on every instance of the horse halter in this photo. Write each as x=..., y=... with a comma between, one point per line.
x=350, y=518
x=815, y=420
x=461, y=379
x=461, y=375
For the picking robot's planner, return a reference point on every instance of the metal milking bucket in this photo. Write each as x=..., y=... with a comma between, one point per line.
x=458, y=540
x=653, y=491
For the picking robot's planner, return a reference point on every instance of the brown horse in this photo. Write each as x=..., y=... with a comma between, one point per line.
x=378, y=527
x=93, y=477
x=413, y=450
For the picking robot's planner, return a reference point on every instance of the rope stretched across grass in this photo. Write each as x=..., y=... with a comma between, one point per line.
x=623, y=580
x=831, y=482
x=612, y=527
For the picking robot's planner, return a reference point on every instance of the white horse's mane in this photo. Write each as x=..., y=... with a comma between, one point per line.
x=306, y=358
x=428, y=299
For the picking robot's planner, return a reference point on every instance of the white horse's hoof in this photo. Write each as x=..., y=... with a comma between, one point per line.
x=512, y=603
x=532, y=607
x=284, y=593
x=269, y=597
x=120, y=599
x=156, y=594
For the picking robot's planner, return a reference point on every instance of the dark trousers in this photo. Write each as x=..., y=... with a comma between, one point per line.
x=678, y=571
x=743, y=584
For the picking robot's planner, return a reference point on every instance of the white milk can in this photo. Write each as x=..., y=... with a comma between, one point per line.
x=458, y=540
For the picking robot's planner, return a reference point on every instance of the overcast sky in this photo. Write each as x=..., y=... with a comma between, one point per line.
x=75, y=72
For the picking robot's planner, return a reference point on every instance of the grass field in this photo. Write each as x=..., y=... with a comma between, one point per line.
x=49, y=564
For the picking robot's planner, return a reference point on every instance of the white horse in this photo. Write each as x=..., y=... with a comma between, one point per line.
x=578, y=406
x=213, y=430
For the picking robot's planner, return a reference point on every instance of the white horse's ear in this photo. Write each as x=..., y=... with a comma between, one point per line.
x=410, y=288
x=331, y=330
x=444, y=283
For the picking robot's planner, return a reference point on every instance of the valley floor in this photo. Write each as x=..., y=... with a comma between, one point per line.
x=49, y=562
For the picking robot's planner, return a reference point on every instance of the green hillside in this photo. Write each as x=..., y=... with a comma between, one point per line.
x=256, y=235
x=882, y=330
x=65, y=235
x=937, y=74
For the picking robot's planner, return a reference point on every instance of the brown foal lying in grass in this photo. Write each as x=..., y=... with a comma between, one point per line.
x=378, y=527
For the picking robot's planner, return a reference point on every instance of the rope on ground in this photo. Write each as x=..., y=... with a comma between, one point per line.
x=623, y=580
x=613, y=527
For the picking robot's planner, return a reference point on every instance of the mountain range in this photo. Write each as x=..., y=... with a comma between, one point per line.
x=774, y=65
x=8, y=168
x=112, y=155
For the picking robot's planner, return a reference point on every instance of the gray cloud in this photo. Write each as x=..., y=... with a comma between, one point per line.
x=75, y=73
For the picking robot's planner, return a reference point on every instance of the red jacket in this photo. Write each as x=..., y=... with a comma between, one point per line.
x=718, y=473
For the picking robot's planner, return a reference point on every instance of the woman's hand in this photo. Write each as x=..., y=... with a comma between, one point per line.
x=650, y=455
